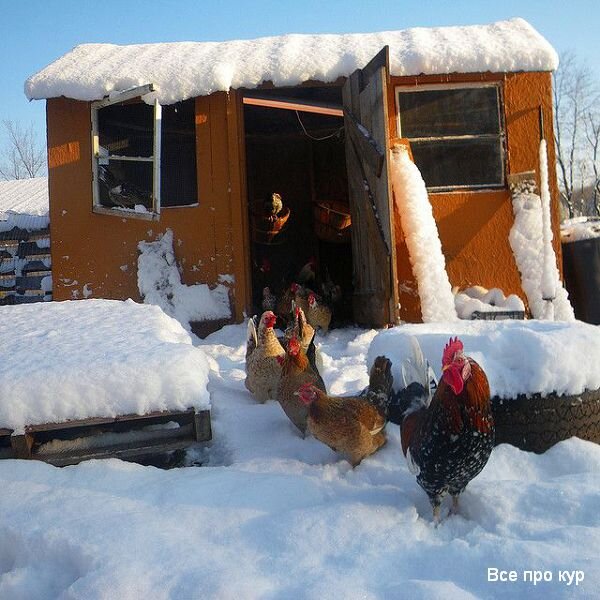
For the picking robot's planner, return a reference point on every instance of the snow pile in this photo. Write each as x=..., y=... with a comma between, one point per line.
x=24, y=204
x=527, y=242
x=580, y=228
x=272, y=515
x=518, y=357
x=187, y=69
x=159, y=282
x=549, y=279
x=94, y=358
x=422, y=239
x=480, y=299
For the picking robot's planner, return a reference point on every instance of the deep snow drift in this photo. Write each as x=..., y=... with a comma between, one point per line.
x=95, y=358
x=519, y=357
x=277, y=517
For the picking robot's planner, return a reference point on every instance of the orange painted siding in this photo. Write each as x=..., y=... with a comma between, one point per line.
x=474, y=226
x=95, y=255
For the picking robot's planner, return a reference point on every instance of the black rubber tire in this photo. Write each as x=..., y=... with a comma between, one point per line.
x=538, y=422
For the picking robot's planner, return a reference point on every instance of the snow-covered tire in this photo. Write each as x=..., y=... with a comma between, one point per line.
x=537, y=423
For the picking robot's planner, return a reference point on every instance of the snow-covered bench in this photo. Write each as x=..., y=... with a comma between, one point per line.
x=94, y=378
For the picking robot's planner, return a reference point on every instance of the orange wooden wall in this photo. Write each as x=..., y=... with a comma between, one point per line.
x=95, y=255
x=474, y=226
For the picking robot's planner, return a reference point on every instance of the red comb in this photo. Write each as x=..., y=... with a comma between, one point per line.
x=452, y=347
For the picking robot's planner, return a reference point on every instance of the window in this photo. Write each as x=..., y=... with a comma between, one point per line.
x=144, y=155
x=455, y=133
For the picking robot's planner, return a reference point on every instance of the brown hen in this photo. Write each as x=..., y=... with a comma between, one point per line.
x=352, y=425
x=263, y=355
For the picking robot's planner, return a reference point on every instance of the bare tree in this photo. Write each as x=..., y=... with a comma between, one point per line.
x=592, y=136
x=22, y=156
x=576, y=131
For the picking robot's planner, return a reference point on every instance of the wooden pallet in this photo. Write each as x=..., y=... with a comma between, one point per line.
x=129, y=437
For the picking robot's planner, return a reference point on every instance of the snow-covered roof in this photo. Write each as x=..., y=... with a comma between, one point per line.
x=24, y=196
x=182, y=70
x=24, y=204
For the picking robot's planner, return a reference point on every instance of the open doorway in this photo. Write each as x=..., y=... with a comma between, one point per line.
x=300, y=156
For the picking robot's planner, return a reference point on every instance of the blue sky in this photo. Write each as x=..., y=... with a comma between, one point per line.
x=33, y=33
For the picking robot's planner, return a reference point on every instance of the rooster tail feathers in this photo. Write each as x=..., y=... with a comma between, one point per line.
x=252, y=337
x=381, y=385
x=418, y=385
x=416, y=369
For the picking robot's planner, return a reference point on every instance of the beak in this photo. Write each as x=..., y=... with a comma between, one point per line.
x=445, y=368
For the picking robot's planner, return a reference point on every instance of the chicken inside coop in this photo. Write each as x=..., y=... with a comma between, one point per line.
x=299, y=218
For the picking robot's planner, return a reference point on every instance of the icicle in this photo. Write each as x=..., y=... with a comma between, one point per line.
x=422, y=239
x=548, y=283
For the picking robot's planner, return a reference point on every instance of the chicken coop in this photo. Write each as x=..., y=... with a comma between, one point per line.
x=197, y=137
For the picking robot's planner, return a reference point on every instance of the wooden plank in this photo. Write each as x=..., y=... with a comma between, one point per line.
x=517, y=179
x=124, y=453
x=205, y=239
x=94, y=421
x=223, y=249
x=22, y=445
x=373, y=238
x=238, y=194
x=202, y=426
x=367, y=145
x=380, y=61
x=295, y=105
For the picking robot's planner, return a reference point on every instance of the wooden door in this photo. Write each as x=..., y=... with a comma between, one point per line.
x=375, y=299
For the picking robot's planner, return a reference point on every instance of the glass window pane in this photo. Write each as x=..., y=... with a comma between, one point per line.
x=127, y=129
x=464, y=111
x=125, y=184
x=445, y=163
x=178, y=155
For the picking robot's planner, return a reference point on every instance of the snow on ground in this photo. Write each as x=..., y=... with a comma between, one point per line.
x=187, y=69
x=159, y=282
x=274, y=516
x=480, y=299
x=580, y=228
x=519, y=357
x=95, y=358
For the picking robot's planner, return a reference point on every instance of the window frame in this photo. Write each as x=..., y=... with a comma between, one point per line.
x=117, y=98
x=400, y=89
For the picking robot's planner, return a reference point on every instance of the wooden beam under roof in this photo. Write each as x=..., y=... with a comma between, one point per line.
x=294, y=104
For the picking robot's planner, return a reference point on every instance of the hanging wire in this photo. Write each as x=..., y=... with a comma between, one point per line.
x=312, y=137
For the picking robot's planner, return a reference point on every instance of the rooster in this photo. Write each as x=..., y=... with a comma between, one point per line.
x=448, y=438
x=352, y=425
x=296, y=371
x=263, y=355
